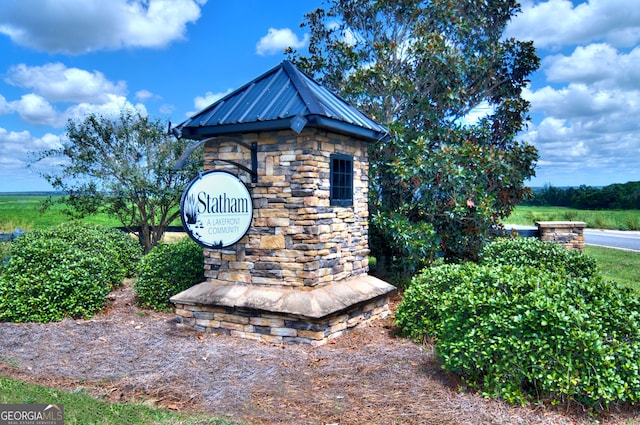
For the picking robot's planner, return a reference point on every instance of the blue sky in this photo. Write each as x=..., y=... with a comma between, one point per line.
x=171, y=58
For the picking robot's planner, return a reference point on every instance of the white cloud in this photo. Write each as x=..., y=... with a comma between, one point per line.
x=143, y=95
x=112, y=108
x=75, y=27
x=581, y=102
x=18, y=146
x=201, y=102
x=591, y=132
x=18, y=171
x=586, y=97
x=557, y=23
x=54, y=83
x=5, y=107
x=598, y=64
x=57, y=83
x=277, y=40
x=36, y=110
x=167, y=109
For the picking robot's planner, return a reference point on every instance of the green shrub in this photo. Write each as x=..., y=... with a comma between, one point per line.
x=402, y=245
x=167, y=270
x=524, y=334
x=535, y=253
x=4, y=254
x=531, y=323
x=419, y=314
x=125, y=250
x=64, y=271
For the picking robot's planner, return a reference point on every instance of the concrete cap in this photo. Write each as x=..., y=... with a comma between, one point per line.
x=314, y=303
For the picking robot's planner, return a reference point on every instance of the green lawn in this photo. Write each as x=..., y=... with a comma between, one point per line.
x=84, y=409
x=24, y=211
x=618, y=265
x=595, y=219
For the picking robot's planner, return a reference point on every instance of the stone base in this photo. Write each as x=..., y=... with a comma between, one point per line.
x=283, y=315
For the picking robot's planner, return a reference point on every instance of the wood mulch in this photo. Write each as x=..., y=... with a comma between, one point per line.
x=368, y=376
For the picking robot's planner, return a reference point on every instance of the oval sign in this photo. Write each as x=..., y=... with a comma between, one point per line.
x=216, y=209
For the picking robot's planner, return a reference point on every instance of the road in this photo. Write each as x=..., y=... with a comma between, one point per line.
x=628, y=240
x=613, y=239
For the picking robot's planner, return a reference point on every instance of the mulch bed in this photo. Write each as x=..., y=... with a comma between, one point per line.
x=368, y=376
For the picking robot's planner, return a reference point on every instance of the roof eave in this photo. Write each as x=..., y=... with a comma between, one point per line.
x=205, y=131
x=337, y=126
x=314, y=121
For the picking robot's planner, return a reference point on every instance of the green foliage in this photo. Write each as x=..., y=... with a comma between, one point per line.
x=531, y=331
x=614, y=196
x=411, y=245
x=123, y=167
x=64, y=271
x=5, y=248
x=167, y=270
x=526, y=334
x=420, y=68
x=125, y=251
x=461, y=189
x=419, y=314
x=536, y=253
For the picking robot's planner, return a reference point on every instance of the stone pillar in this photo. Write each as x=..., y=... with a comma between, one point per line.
x=300, y=274
x=297, y=238
x=569, y=234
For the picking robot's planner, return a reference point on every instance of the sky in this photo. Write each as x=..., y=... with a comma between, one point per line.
x=64, y=59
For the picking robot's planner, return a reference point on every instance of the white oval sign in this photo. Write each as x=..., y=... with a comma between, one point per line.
x=216, y=209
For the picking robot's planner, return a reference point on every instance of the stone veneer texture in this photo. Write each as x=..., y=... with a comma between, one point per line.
x=569, y=234
x=277, y=328
x=297, y=238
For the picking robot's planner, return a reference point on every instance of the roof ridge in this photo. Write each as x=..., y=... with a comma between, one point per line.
x=301, y=82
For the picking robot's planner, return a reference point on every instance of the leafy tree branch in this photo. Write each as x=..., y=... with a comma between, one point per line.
x=124, y=167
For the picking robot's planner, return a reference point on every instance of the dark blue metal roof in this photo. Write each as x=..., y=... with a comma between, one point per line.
x=281, y=98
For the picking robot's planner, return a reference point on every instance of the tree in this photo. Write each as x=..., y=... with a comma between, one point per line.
x=123, y=167
x=420, y=68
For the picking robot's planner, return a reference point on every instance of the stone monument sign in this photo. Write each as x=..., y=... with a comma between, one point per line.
x=298, y=273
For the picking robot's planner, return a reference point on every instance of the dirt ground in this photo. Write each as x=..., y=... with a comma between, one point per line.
x=369, y=376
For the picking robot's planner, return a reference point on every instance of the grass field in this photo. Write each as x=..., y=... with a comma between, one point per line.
x=84, y=409
x=595, y=219
x=24, y=212
x=620, y=266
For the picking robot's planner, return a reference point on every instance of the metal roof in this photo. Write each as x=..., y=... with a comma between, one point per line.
x=281, y=98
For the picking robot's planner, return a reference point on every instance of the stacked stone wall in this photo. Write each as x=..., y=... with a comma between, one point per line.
x=274, y=327
x=297, y=238
x=569, y=234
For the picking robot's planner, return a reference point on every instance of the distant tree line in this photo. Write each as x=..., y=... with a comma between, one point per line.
x=623, y=196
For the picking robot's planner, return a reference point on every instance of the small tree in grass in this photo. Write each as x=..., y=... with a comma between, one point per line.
x=124, y=167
